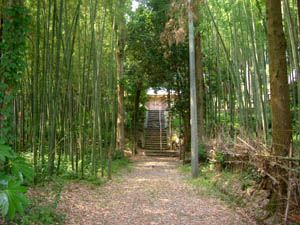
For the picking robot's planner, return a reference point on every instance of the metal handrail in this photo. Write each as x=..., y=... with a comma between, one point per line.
x=160, y=130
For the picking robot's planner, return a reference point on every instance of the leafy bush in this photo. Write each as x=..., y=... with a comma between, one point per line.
x=13, y=169
x=42, y=210
x=219, y=156
x=202, y=154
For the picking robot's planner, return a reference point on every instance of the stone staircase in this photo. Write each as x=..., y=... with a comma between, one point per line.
x=156, y=141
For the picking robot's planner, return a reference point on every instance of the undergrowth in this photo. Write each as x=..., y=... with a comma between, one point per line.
x=68, y=173
x=45, y=196
x=43, y=207
x=238, y=189
x=224, y=184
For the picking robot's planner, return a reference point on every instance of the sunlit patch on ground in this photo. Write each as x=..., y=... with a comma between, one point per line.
x=152, y=193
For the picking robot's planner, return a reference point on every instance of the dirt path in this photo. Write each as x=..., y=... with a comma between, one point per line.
x=152, y=193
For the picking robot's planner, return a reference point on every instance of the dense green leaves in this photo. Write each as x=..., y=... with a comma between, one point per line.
x=12, y=198
x=19, y=168
x=5, y=151
x=12, y=64
x=4, y=204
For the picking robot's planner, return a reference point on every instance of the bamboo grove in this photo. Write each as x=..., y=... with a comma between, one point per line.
x=238, y=86
x=234, y=63
x=65, y=109
x=79, y=93
x=235, y=60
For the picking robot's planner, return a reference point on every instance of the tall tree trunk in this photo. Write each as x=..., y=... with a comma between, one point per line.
x=170, y=133
x=120, y=71
x=1, y=53
x=35, y=88
x=186, y=135
x=199, y=79
x=298, y=21
x=93, y=13
x=193, y=101
x=298, y=75
x=199, y=87
x=53, y=114
x=136, y=118
x=280, y=101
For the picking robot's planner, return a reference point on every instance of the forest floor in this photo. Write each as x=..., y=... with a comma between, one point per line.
x=151, y=192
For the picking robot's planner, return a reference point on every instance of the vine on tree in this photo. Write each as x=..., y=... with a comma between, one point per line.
x=13, y=169
x=12, y=65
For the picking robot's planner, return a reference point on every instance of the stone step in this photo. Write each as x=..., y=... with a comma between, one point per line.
x=156, y=147
x=155, y=119
x=159, y=150
x=162, y=153
x=156, y=144
x=156, y=137
x=155, y=134
x=164, y=146
x=157, y=140
x=155, y=129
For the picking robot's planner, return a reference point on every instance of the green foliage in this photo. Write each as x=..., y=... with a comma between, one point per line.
x=42, y=210
x=13, y=171
x=202, y=154
x=41, y=214
x=119, y=164
x=220, y=158
x=226, y=185
x=272, y=205
x=12, y=198
x=12, y=64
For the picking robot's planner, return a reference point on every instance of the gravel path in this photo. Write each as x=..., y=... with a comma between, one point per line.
x=152, y=193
